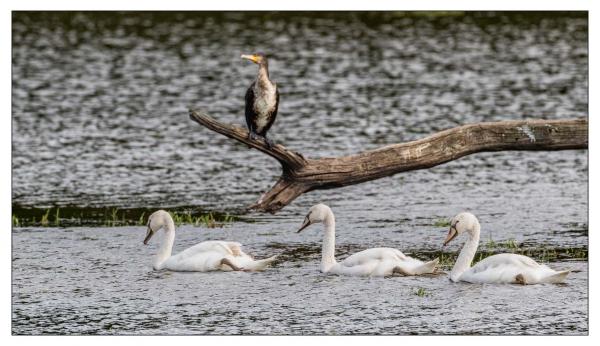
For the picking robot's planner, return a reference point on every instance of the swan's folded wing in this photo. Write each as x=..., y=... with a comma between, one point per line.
x=503, y=261
x=221, y=247
x=234, y=248
x=375, y=254
x=229, y=247
x=198, y=261
x=527, y=262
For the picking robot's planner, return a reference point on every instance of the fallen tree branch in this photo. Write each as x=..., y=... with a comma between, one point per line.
x=301, y=175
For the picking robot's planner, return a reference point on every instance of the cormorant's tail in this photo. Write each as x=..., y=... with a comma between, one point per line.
x=427, y=268
x=557, y=278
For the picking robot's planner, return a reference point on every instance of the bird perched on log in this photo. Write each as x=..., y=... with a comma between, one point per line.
x=262, y=100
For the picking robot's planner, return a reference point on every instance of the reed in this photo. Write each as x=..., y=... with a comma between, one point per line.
x=44, y=220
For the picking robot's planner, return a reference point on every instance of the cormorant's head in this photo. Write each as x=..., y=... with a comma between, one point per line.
x=257, y=58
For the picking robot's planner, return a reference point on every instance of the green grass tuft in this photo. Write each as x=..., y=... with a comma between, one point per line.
x=57, y=217
x=421, y=292
x=111, y=217
x=209, y=220
x=442, y=223
x=512, y=244
x=44, y=220
x=141, y=220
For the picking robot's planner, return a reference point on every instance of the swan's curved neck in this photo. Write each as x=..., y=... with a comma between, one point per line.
x=166, y=246
x=463, y=262
x=328, y=250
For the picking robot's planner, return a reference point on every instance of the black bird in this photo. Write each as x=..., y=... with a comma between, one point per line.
x=262, y=100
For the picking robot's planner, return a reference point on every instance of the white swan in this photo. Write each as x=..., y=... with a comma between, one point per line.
x=501, y=268
x=202, y=257
x=371, y=262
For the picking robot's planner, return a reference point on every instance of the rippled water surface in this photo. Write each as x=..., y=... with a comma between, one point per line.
x=100, y=119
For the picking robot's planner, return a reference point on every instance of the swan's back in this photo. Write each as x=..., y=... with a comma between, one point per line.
x=222, y=247
x=382, y=262
x=374, y=254
x=509, y=268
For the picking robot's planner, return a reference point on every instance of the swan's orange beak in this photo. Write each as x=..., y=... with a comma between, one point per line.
x=452, y=233
x=149, y=234
x=305, y=224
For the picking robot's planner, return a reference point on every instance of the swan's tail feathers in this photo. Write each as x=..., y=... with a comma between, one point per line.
x=427, y=267
x=260, y=264
x=558, y=277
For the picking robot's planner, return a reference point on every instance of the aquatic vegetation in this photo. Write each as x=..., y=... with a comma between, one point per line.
x=112, y=220
x=210, y=219
x=177, y=219
x=576, y=253
x=421, y=292
x=446, y=259
x=426, y=14
x=441, y=223
x=111, y=217
x=511, y=244
x=57, y=217
x=141, y=221
x=44, y=220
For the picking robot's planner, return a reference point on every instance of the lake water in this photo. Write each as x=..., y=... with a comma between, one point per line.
x=100, y=120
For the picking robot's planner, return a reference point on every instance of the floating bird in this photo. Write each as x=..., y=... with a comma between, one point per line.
x=371, y=262
x=501, y=268
x=262, y=100
x=202, y=257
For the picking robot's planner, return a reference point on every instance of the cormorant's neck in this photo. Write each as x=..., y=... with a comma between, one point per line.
x=263, y=76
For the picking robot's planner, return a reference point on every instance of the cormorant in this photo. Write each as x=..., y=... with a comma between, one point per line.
x=262, y=100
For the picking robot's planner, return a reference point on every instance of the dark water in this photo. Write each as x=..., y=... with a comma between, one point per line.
x=100, y=119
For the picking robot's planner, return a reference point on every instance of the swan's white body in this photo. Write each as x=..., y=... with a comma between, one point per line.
x=202, y=257
x=382, y=261
x=371, y=262
x=501, y=268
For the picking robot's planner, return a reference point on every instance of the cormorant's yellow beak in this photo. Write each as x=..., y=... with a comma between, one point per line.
x=252, y=58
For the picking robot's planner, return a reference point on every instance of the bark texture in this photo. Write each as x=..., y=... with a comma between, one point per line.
x=302, y=174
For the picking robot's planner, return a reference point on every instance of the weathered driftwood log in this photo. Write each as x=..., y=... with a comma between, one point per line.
x=301, y=174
